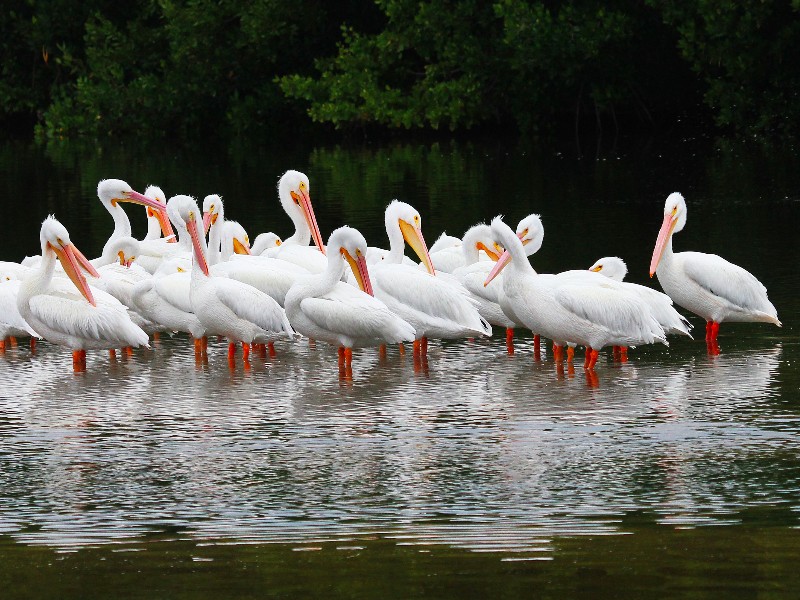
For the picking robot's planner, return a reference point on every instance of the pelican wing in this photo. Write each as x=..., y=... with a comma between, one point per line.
x=252, y=305
x=174, y=289
x=726, y=280
x=619, y=312
x=349, y=311
x=70, y=314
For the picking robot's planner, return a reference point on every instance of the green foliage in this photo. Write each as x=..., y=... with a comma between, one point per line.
x=745, y=51
x=189, y=68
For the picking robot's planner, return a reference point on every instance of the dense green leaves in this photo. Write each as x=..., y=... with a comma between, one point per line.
x=189, y=68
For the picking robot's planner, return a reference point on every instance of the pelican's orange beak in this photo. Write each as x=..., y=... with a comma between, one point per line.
x=597, y=269
x=72, y=261
x=490, y=253
x=241, y=248
x=501, y=264
x=159, y=210
x=359, y=267
x=661, y=242
x=303, y=200
x=199, y=255
x=414, y=238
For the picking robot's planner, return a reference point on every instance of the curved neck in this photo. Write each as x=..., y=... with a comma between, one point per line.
x=108, y=257
x=153, y=229
x=122, y=225
x=469, y=243
x=330, y=277
x=215, y=241
x=302, y=232
x=519, y=258
x=666, y=256
x=397, y=244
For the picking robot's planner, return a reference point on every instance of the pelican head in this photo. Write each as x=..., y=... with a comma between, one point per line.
x=113, y=191
x=185, y=209
x=674, y=221
x=404, y=218
x=477, y=238
x=265, y=241
x=531, y=233
x=55, y=238
x=294, y=193
x=352, y=246
x=212, y=210
x=234, y=235
x=155, y=193
x=125, y=249
x=612, y=267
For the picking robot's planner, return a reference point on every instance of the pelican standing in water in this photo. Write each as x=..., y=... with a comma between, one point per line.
x=435, y=308
x=225, y=306
x=83, y=320
x=571, y=311
x=707, y=284
x=323, y=307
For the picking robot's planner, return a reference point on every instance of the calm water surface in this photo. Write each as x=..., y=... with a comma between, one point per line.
x=476, y=472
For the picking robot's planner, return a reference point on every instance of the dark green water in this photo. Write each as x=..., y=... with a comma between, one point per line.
x=481, y=474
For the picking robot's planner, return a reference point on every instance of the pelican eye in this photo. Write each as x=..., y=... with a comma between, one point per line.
x=302, y=185
x=358, y=252
x=191, y=216
x=277, y=242
x=246, y=240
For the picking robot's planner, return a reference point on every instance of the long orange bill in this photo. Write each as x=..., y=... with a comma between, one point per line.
x=199, y=255
x=160, y=210
x=661, y=242
x=308, y=211
x=360, y=270
x=241, y=248
x=413, y=236
x=72, y=267
x=206, y=222
x=501, y=264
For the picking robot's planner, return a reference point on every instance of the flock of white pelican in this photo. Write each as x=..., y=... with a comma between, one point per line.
x=204, y=278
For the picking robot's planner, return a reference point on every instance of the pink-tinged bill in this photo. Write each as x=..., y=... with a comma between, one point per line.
x=199, y=255
x=304, y=200
x=501, y=263
x=661, y=242
x=84, y=263
x=241, y=247
x=72, y=267
x=159, y=209
x=206, y=222
x=360, y=271
x=414, y=238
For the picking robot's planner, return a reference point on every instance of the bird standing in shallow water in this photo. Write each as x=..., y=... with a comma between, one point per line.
x=707, y=284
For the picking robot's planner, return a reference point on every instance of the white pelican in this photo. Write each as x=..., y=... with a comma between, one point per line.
x=591, y=315
x=113, y=191
x=443, y=242
x=225, y=306
x=265, y=244
x=294, y=195
x=88, y=320
x=213, y=221
x=435, y=308
x=706, y=284
x=478, y=240
x=154, y=218
x=323, y=307
x=451, y=256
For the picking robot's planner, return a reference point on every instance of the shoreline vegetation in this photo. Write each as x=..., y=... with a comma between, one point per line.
x=187, y=69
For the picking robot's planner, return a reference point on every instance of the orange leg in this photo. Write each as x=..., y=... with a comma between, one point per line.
x=714, y=331
x=570, y=353
x=127, y=351
x=341, y=355
x=204, y=343
x=156, y=336
x=33, y=345
x=2, y=345
x=271, y=348
x=245, y=350
x=112, y=354
x=558, y=352
x=348, y=357
x=231, y=350
x=13, y=341
x=423, y=347
x=592, y=358
x=382, y=351
x=623, y=354
x=198, y=346
x=402, y=348
x=417, y=345
x=510, y=340
x=78, y=360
